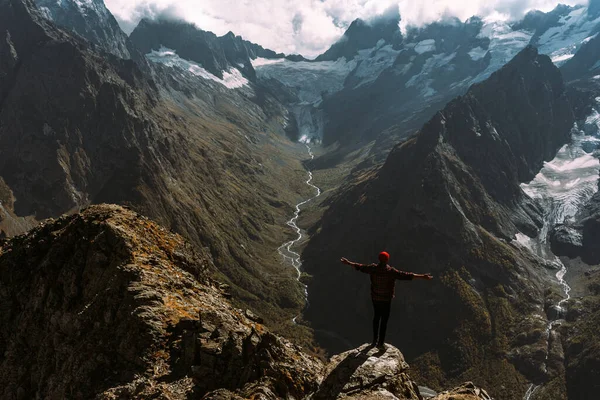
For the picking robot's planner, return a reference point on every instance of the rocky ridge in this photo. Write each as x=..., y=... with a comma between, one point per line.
x=107, y=304
x=215, y=54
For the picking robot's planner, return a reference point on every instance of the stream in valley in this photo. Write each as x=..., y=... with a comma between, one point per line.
x=286, y=250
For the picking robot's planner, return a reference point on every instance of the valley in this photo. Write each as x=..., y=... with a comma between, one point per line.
x=469, y=149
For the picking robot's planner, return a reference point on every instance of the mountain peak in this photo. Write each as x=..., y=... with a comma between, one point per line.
x=363, y=34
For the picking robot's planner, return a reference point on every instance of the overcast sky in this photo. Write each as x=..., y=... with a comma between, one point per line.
x=309, y=27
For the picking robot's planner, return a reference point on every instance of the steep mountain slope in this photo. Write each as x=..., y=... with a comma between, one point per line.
x=205, y=160
x=448, y=201
x=92, y=20
x=106, y=304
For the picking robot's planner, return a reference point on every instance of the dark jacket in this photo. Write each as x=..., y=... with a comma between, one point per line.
x=383, y=280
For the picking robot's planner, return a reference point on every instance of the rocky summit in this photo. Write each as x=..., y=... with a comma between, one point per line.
x=107, y=304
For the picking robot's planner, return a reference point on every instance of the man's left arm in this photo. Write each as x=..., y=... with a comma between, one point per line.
x=407, y=276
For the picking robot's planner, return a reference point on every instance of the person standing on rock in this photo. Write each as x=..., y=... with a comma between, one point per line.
x=383, y=283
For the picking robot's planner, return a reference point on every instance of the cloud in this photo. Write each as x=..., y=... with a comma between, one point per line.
x=309, y=27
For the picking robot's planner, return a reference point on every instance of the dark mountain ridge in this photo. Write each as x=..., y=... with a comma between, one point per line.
x=216, y=54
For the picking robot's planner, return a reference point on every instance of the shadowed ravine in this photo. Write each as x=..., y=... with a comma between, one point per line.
x=290, y=256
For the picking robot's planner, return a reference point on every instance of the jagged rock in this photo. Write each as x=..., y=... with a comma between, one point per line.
x=467, y=391
x=367, y=372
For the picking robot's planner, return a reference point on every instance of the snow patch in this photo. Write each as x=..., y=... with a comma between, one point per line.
x=259, y=62
x=424, y=79
x=425, y=46
x=505, y=44
x=374, y=62
x=232, y=78
x=477, y=53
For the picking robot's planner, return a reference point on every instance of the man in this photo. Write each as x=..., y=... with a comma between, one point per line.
x=383, y=282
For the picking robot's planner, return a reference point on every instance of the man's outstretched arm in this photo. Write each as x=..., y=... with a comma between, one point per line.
x=426, y=277
x=359, y=267
x=407, y=276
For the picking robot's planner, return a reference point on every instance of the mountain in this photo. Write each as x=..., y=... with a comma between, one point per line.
x=205, y=157
x=449, y=201
x=376, y=86
x=91, y=20
x=585, y=63
x=561, y=32
x=106, y=304
x=362, y=35
x=216, y=54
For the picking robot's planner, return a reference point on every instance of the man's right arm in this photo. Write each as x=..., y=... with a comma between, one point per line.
x=367, y=269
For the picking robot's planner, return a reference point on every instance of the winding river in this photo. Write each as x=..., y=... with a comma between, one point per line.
x=286, y=250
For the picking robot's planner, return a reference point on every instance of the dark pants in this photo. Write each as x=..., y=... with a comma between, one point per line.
x=380, y=320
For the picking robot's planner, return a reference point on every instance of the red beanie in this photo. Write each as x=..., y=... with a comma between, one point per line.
x=384, y=257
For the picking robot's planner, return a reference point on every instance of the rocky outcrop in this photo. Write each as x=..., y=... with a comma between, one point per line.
x=468, y=391
x=447, y=201
x=107, y=304
x=566, y=241
x=367, y=372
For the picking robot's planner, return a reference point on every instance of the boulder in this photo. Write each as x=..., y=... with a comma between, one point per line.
x=367, y=372
x=468, y=391
x=566, y=241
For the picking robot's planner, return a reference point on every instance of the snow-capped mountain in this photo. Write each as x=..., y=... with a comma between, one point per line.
x=561, y=32
x=407, y=78
x=91, y=20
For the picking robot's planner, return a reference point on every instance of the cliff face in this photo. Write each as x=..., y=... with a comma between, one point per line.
x=448, y=201
x=106, y=304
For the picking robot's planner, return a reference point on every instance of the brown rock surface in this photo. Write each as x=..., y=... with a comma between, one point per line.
x=108, y=303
